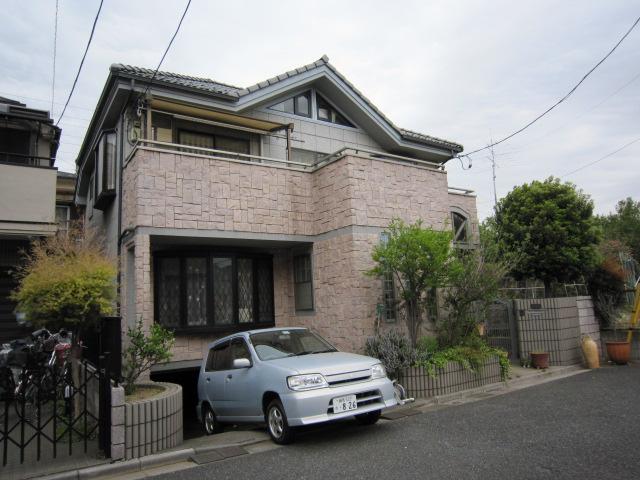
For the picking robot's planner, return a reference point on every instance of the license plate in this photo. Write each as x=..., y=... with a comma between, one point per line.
x=344, y=404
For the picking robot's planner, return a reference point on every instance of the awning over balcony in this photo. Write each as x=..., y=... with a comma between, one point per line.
x=215, y=116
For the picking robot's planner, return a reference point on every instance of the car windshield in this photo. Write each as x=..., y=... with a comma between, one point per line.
x=288, y=343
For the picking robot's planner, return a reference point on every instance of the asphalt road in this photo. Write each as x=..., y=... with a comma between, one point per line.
x=585, y=426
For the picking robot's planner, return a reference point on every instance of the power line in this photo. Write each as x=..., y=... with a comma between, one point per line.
x=73, y=87
x=562, y=99
x=601, y=158
x=529, y=145
x=55, y=44
x=167, y=49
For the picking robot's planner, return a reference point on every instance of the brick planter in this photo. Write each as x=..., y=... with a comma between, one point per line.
x=146, y=426
x=450, y=379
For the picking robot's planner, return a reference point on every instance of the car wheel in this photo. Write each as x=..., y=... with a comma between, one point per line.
x=209, y=421
x=368, y=418
x=277, y=424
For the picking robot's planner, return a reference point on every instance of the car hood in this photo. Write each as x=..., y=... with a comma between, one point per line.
x=330, y=363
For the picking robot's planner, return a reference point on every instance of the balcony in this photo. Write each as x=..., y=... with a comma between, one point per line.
x=27, y=199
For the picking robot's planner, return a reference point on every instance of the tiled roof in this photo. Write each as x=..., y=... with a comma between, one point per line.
x=208, y=85
x=197, y=83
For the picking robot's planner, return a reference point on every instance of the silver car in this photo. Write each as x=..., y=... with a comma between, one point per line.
x=288, y=377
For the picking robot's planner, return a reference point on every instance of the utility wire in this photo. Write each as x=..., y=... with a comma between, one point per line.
x=559, y=101
x=73, y=87
x=601, y=158
x=535, y=142
x=167, y=49
x=55, y=44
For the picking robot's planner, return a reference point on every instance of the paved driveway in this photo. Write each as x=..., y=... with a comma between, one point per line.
x=582, y=427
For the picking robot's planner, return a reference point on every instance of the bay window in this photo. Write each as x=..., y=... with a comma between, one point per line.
x=105, y=170
x=213, y=290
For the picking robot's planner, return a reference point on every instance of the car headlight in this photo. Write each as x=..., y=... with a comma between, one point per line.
x=378, y=371
x=306, y=382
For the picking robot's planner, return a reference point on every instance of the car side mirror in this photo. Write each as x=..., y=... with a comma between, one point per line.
x=241, y=363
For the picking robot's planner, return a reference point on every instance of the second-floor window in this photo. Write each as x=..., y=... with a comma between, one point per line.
x=214, y=141
x=105, y=170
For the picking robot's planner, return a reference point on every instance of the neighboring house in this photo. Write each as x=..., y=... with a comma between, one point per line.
x=66, y=211
x=28, y=146
x=237, y=208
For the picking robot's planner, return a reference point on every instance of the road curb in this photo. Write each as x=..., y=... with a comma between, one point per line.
x=142, y=463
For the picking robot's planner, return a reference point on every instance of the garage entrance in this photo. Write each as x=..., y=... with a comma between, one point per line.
x=185, y=375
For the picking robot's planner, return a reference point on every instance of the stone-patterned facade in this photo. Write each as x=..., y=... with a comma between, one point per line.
x=339, y=209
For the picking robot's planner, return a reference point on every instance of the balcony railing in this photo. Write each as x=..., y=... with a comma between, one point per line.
x=154, y=145
x=21, y=159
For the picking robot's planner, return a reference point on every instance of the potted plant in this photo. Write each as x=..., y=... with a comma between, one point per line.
x=540, y=359
x=619, y=352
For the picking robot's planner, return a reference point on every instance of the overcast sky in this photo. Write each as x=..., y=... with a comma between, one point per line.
x=466, y=71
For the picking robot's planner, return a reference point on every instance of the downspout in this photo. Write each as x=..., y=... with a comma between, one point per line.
x=120, y=193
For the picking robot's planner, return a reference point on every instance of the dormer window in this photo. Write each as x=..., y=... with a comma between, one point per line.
x=327, y=113
x=298, y=105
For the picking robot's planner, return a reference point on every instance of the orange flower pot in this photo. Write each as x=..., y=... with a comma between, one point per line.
x=619, y=352
x=540, y=360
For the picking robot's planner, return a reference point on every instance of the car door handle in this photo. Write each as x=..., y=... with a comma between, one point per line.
x=229, y=377
x=208, y=379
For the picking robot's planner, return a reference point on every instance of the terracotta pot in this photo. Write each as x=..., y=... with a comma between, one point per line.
x=590, y=351
x=619, y=352
x=540, y=360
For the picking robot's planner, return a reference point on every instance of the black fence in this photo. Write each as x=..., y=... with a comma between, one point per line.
x=58, y=402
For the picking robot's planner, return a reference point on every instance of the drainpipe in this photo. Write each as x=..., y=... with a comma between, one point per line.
x=289, y=130
x=120, y=193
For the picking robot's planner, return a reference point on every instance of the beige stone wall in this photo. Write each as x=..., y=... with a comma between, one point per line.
x=341, y=209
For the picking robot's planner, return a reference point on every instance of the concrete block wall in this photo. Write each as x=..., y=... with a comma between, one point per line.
x=150, y=425
x=452, y=378
x=555, y=325
x=587, y=318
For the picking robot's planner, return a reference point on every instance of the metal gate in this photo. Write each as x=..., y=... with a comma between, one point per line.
x=502, y=328
x=50, y=411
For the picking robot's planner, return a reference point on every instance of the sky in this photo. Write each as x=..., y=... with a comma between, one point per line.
x=466, y=71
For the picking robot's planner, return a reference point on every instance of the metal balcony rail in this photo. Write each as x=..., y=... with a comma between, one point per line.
x=22, y=159
x=154, y=145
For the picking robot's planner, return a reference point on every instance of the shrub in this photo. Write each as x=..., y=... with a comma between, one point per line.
x=471, y=356
x=66, y=281
x=393, y=349
x=144, y=351
x=427, y=346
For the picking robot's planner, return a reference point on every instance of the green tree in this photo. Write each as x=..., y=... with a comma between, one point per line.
x=624, y=225
x=549, y=230
x=66, y=281
x=420, y=260
x=472, y=289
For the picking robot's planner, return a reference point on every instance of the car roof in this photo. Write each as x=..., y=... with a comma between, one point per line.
x=245, y=334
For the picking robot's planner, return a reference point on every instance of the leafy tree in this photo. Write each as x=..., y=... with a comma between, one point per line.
x=420, y=260
x=66, y=280
x=550, y=228
x=472, y=288
x=624, y=225
x=144, y=351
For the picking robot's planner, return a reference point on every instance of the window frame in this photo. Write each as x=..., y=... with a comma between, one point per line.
x=307, y=94
x=332, y=112
x=210, y=325
x=299, y=255
x=104, y=193
x=464, y=229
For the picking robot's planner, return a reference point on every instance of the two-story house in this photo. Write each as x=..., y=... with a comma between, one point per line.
x=237, y=208
x=28, y=146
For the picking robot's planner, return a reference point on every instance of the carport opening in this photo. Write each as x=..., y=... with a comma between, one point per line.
x=187, y=377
